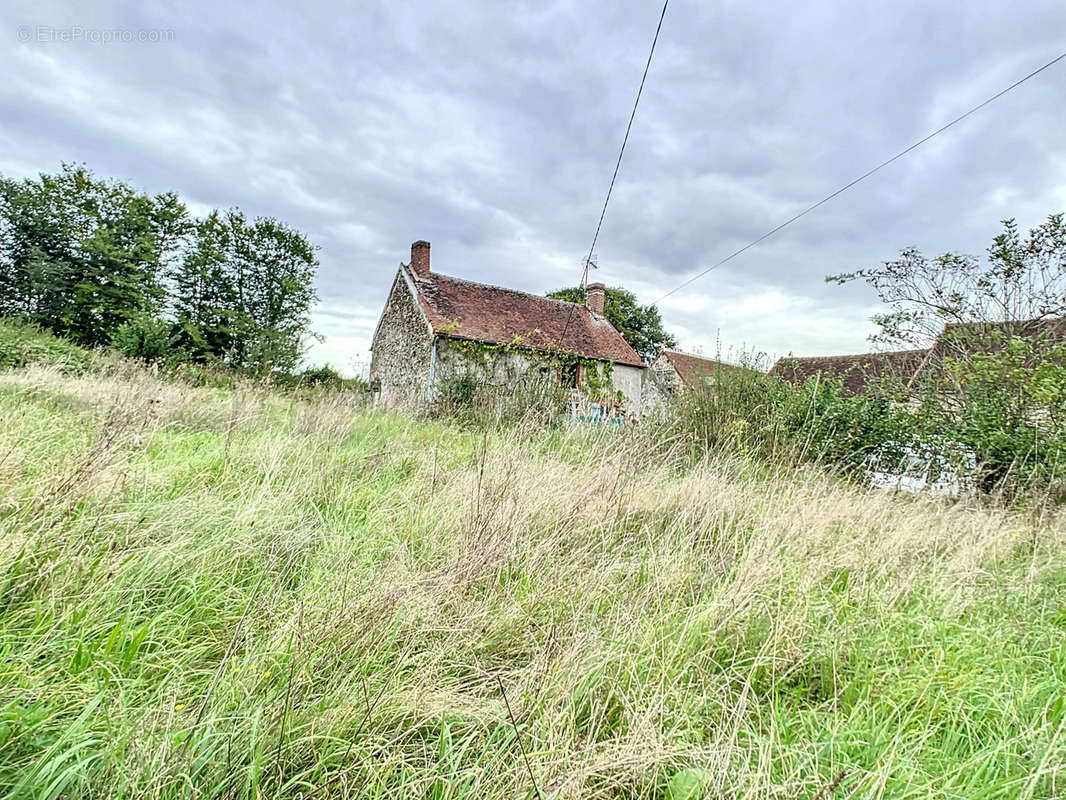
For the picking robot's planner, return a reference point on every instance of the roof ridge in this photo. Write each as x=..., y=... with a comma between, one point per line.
x=498, y=288
x=847, y=356
x=694, y=355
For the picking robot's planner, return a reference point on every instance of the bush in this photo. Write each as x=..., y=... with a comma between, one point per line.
x=995, y=419
x=752, y=414
x=145, y=338
x=1005, y=399
x=324, y=377
x=23, y=344
x=457, y=391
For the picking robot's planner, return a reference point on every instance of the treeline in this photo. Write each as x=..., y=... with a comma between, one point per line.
x=99, y=263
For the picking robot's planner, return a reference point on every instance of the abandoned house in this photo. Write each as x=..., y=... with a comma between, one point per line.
x=673, y=370
x=436, y=328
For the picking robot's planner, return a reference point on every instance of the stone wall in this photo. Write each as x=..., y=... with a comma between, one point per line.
x=665, y=375
x=489, y=367
x=400, y=365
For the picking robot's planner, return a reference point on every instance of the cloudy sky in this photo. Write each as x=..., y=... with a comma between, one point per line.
x=491, y=129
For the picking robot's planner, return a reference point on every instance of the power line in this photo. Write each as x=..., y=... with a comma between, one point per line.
x=862, y=177
x=618, y=163
x=625, y=139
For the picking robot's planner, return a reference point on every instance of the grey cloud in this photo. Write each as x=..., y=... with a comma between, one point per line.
x=491, y=129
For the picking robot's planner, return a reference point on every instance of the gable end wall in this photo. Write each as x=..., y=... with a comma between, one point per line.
x=400, y=363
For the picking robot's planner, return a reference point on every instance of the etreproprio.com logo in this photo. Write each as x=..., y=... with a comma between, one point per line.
x=80, y=33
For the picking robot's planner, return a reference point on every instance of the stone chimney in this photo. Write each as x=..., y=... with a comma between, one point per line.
x=420, y=258
x=595, y=297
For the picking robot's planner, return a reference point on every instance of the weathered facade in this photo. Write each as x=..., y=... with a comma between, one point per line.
x=402, y=347
x=435, y=328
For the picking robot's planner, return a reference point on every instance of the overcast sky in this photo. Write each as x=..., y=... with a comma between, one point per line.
x=491, y=129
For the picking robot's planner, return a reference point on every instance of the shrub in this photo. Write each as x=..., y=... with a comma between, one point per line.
x=23, y=344
x=1005, y=399
x=145, y=338
x=457, y=391
x=752, y=414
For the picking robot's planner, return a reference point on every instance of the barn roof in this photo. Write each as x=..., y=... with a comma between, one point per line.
x=693, y=369
x=860, y=370
x=971, y=336
x=463, y=309
x=856, y=371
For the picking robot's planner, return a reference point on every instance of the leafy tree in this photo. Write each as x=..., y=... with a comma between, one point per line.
x=641, y=326
x=204, y=286
x=97, y=262
x=244, y=291
x=81, y=255
x=274, y=268
x=995, y=380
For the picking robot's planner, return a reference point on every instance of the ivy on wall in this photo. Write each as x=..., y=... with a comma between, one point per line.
x=596, y=374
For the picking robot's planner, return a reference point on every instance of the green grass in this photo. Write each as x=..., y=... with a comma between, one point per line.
x=212, y=593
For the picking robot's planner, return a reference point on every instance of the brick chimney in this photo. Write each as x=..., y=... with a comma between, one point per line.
x=595, y=297
x=420, y=258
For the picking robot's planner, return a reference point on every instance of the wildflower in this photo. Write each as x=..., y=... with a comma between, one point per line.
x=266, y=674
x=179, y=706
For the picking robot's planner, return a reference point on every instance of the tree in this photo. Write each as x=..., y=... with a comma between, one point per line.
x=100, y=263
x=81, y=255
x=995, y=380
x=244, y=291
x=1023, y=280
x=641, y=326
x=275, y=270
x=204, y=287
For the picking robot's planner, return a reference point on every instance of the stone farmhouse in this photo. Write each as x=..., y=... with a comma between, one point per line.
x=435, y=327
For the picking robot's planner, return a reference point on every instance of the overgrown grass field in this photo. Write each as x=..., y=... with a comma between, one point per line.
x=237, y=593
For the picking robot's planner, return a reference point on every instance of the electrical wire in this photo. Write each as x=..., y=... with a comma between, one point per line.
x=859, y=179
x=618, y=163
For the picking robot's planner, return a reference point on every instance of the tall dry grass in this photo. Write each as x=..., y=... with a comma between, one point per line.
x=213, y=593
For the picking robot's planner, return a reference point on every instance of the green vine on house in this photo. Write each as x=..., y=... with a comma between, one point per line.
x=597, y=374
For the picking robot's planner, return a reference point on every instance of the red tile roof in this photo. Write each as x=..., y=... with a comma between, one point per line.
x=856, y=371
x=968, y=336
x=463, y=309
x=694, y=369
